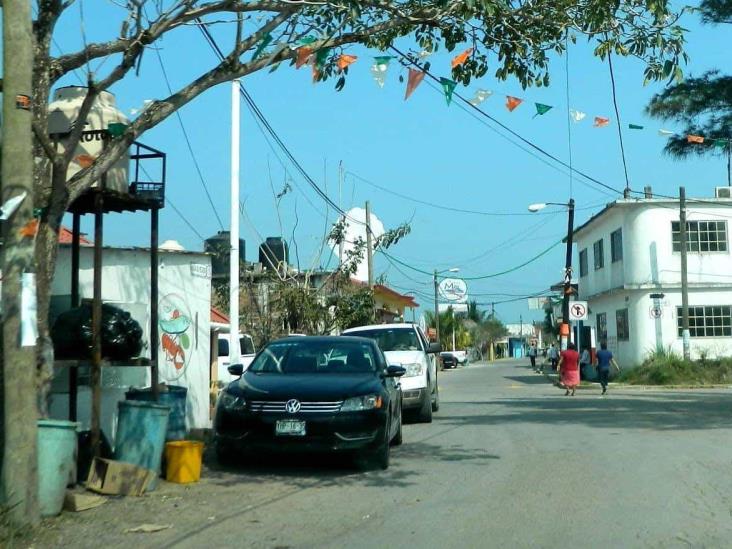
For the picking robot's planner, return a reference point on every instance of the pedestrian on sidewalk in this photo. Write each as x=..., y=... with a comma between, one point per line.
x=553, y=356
x=532, y=355
x=584, y=363
x=569, y=368
x=603, y=360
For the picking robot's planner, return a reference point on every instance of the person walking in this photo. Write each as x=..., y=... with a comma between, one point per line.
x=603, y=360
x=569, y=368
x=532, y=355
x=584, y=363
x=553, y=356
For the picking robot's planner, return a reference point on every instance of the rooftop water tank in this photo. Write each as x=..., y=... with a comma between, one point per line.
x=220, y=245
x=62, y=114
x=273, y=252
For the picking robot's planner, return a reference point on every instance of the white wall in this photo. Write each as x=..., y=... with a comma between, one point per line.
x=185, y=286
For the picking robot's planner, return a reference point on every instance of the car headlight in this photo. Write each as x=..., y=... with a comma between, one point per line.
x=367, y=402
x=231, y=402
x=414, y=370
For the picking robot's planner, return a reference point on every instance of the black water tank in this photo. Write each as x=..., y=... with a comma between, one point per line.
x=273, y=252
x=220, y=245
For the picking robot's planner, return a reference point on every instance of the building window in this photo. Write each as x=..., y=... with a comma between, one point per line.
x=601, y=327
x=707, y=321
x=621, y=324
x=583, y=263
x=599, y=252
x=701, y=236
x=616, y=245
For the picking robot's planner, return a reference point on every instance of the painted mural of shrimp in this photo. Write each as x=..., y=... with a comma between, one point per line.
x=173, y=351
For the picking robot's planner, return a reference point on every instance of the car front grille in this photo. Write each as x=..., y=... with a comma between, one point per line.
x=278, y=406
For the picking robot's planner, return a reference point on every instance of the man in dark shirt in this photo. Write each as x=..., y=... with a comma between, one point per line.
x=603, y=360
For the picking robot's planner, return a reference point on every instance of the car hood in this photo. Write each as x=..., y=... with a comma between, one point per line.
x=306, y=387
x=395, y=358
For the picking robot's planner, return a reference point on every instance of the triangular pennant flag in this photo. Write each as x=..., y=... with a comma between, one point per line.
x=378, y=71
x=448, y=86
x=542, y=109
x=316, y=73
x=694, y=139
x=29, y=229
x=479, y=97
x=11, y=204
x=721, y=143
x=512, y=102
x=665, y=133
x=321, y=57
x=424, y=54
x=601, y=122
x=414, y=80
x=344, y=60
x=263, y=43
x=303, y=54
x=306, y=40
x=462, y=58
x=576, y=115
x=635, y=127
x=383, y=59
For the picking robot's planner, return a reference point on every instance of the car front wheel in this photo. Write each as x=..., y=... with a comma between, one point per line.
x=425, y=411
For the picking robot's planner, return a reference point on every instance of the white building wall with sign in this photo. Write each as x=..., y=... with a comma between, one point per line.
x=649, y=265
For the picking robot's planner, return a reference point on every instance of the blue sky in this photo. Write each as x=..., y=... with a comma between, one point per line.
x=420, y=148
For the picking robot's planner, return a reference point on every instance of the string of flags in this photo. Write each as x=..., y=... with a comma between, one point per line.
x=305, y=54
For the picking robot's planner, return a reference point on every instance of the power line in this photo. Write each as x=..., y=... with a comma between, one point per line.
x=617, y=117
x=185, y=220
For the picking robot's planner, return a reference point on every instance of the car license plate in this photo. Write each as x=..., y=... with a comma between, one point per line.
x=291, y=427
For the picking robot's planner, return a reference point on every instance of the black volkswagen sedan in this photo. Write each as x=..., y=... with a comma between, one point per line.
x=313, y=393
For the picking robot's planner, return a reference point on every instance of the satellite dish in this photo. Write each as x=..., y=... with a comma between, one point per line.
x=355, y=230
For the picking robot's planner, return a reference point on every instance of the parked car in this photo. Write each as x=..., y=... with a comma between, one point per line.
x=407, y=345
x=461, y=356
x=326, y=393
x=449, y=360
x=247, y=353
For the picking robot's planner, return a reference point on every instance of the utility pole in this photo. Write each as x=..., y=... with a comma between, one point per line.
x=437, y=309
x=564, y=331
x=369, y=246
x=684, y=278
x=234, y=344
x=18, y=396
x=340, y=205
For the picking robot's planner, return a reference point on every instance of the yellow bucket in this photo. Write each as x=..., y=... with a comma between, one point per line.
x=183, y=458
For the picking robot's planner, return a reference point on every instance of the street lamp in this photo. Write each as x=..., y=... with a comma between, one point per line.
x=437, y=307
x=564, y=331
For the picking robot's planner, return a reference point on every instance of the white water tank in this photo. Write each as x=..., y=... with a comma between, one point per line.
x=62, y=114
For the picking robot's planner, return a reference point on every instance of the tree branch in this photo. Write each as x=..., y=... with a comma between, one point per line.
x=45, y=142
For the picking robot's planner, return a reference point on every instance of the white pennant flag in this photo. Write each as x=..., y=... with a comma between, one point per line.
x=576, y=115
x=424, y=54
x=665, y=133
x=480, y=96
x=378, y=71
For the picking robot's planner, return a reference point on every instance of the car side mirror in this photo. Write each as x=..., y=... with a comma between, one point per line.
x=395, y=371
x=236, y=369
x=434, y=347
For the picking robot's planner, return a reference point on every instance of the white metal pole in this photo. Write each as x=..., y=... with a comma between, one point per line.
x=234, y=346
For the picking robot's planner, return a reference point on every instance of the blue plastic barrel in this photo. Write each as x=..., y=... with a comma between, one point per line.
x=174, y=397
x=140, y=439
x=56, y=459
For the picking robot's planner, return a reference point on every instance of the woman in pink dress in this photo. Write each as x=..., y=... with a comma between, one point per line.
x=569, y=368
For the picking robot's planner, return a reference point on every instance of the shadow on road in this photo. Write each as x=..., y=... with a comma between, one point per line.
x=662, y=412
x=528, y=380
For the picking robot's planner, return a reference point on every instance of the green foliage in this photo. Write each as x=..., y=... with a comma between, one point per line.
x=666, y=367
x=355, y=308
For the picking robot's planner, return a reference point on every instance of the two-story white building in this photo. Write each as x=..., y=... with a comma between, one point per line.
x=630, y=274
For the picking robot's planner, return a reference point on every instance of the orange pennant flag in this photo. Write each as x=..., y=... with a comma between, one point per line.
x=694, y=139
x=414, y=80
x=84, y=160
x=600, y=121
x=462, y=58
x=512, y=102
x=344, y=60
x=29, y=229
x=303, y=54
x=316, y=73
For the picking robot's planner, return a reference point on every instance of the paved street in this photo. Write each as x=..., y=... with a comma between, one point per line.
x=508, y=462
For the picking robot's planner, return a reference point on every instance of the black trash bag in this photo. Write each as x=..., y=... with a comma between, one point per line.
x=72, y=334
x=85, y=454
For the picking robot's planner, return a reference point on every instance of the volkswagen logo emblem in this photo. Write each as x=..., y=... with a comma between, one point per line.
x=293, y=406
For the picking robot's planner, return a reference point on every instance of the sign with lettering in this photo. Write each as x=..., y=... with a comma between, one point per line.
x=454, y=290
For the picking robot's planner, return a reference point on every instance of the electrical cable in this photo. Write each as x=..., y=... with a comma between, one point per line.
x=617, y=117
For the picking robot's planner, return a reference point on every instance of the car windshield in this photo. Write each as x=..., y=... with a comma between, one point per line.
x=307, y=356
x=392, y=339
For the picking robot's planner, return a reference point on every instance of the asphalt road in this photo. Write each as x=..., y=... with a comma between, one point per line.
x=509, y=461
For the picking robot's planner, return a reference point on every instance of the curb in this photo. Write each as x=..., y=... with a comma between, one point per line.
x=554, y=379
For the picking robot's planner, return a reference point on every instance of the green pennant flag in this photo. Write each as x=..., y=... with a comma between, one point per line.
x=542, y=109
x=448, y=86
x=383, y=59
x=321, y=57
x=116, y=129
x=635, y=127
x=721, y=143
x=306, y=40
x=263, y=43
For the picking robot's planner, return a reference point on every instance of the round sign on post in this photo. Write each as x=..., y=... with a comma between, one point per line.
x=454, y=290
x=578, y=310
x=656, y=311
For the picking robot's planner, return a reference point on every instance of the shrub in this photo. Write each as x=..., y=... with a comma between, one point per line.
x=666, y=367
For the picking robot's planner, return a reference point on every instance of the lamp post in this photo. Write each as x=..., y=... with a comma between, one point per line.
x=437, y=307
x=564, y=330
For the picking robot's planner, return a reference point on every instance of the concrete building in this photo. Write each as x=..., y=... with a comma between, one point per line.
x=630, y=274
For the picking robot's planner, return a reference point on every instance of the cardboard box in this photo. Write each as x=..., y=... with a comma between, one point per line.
x=116, y=478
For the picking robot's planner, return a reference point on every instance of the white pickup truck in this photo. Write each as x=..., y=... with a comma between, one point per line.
x=247, y=353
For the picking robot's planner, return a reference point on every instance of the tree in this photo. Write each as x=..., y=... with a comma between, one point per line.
x=702, y=104
x=516, y=36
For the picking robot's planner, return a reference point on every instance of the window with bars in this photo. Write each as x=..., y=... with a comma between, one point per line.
x=616, y=245
x=601, y=327
x=621, y=324
x=707, y=321
x=599, y=254
x=583, y=262
x=701, y=236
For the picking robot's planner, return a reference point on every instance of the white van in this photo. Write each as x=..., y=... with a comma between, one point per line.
x=247, y=355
